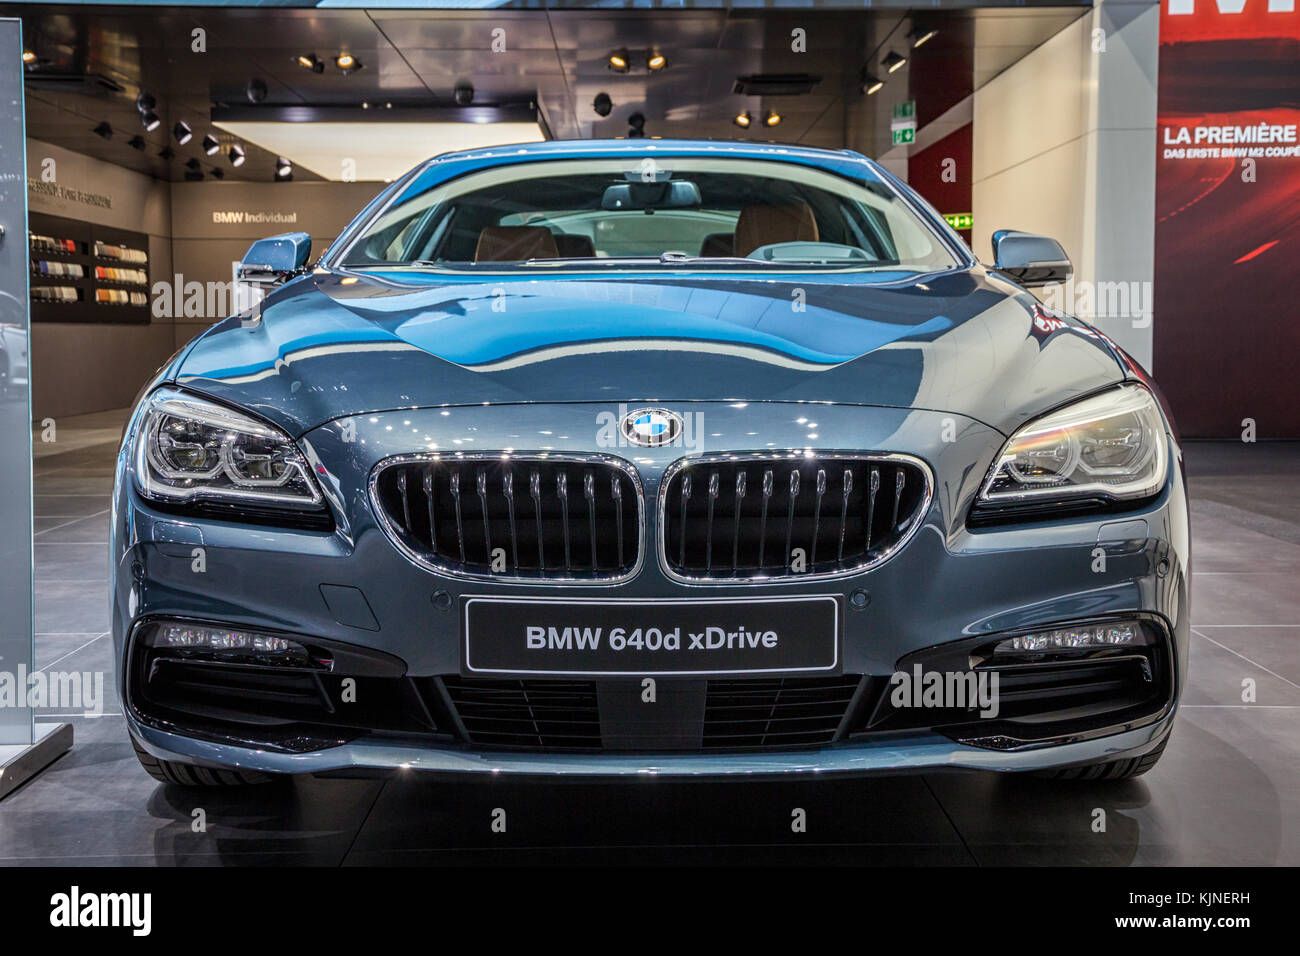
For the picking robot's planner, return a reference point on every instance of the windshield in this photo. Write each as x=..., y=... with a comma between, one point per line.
x=661, y=212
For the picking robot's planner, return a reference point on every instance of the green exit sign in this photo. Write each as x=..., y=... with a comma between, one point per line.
x=959, y=220
x=902, y=125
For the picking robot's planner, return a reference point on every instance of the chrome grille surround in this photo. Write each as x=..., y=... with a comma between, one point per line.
x=549, y=576
x=788, y=455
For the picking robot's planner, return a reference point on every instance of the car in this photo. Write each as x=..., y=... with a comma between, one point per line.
x=649, y=457
x=13, y=345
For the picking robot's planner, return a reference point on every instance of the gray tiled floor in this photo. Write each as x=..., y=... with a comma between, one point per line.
x=1226, y=792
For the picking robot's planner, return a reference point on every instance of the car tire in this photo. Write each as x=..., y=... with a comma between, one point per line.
x=1124, y=769
x=188, y=775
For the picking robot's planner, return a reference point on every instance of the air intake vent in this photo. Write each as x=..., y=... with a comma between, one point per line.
x=766, y=516
x=527, y=714
x=518, y=517
x=777, y=712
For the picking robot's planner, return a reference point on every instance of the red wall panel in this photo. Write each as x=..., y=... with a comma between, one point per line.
x=1227, y=241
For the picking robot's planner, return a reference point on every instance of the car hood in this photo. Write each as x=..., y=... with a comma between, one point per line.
x=966, y=341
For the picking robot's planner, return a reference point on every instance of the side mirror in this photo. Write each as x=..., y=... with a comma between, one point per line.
x=275, y=259
x=1030, y=260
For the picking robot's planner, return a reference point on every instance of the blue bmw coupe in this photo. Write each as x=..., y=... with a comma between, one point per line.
x=649, y=457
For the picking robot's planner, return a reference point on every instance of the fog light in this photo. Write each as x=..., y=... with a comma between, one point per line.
x=227, y=644
x=1087, y=637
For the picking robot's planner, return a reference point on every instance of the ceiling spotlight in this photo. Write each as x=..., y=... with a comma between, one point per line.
x=150, y=121
x=144, y=101
x=29, y=57
x=636, y=126
x=773, y=118
x=893, y=62
x=743, y=119
x=182, y=132
x=283, y=169
x=919, y=35
x=347, y=63
x=193, y=165
x=602, y=104
x=871, y=83
x=137, y=142
x=619, y=61
x=236, y=154
x=655, y=61
x=310, y=61
x=217, y=174
x=104, y=130
x=167, y=153
x=463, y=94
x=256, y=90
x=210, y=145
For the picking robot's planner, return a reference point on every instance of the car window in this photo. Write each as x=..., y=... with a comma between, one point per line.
x=636, y=212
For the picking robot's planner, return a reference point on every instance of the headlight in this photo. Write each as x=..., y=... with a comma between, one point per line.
x=1111, y=446
x=190, y=450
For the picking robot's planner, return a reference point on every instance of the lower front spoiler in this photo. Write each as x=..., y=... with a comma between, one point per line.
x=911, y=753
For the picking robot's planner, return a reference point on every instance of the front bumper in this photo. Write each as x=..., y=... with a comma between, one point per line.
x=921, y=752
x=948, y=583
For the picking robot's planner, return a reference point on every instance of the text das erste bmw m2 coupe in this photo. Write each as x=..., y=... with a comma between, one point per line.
x=607, y=458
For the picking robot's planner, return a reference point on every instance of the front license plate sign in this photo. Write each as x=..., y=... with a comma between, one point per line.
x=599, y=636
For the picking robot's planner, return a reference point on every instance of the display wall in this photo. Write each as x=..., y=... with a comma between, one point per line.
x=1227, y=239
x=85, y=363
x=84, y=272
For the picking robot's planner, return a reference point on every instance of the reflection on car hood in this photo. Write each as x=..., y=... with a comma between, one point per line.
x=326, y=346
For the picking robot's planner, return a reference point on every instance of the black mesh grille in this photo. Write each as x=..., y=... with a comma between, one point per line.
x=747, y=518
x=777, y=712
x=741, y=714
x=543, y=518
x=527, y=714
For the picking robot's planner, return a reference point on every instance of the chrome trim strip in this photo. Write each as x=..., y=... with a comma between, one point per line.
x=545, y=578
x=661, y=531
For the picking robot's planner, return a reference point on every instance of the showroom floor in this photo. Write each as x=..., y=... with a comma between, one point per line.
x=1226, y=792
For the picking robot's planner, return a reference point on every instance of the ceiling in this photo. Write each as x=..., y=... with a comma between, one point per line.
x=371, y=151
x=554, y=63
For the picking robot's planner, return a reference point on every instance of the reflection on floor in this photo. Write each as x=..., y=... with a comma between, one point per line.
x=1226, y=792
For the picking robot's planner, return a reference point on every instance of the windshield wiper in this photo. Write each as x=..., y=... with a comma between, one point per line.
x=681, y=258
x=665, y=259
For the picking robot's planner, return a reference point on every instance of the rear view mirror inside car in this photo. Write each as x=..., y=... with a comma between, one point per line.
x=673, y=194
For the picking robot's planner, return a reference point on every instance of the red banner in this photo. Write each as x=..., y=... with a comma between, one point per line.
x=1227, y=243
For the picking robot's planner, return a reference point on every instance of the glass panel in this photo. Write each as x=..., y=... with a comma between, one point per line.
x=15, y=399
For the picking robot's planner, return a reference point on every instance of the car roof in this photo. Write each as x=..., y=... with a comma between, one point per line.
x=578, y=148
x=446, y=166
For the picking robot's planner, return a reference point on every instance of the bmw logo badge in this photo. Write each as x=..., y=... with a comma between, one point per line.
x=651, y=427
